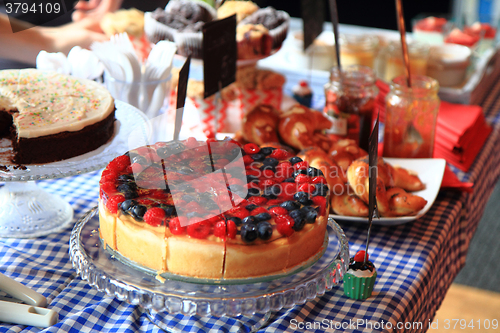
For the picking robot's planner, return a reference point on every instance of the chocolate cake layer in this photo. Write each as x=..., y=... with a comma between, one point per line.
x=63, y=145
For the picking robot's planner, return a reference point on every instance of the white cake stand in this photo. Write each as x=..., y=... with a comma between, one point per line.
x=28, y=211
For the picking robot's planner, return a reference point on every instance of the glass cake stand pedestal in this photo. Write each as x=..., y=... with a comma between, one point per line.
x=175, y=303
x=29, y=211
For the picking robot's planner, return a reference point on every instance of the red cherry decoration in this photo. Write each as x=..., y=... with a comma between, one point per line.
x=360, y=256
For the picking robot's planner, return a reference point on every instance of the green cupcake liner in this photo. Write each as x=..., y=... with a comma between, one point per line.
x=358, y=287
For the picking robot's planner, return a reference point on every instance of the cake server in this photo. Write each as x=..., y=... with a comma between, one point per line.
x=33, y=313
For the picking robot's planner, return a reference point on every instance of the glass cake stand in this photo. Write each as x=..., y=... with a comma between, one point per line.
x=246, y=302
x=28, y=211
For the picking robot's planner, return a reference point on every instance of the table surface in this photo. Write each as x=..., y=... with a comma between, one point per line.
x=416, y=263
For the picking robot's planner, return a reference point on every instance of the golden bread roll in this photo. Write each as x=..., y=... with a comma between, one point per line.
x=301, y=127
x=402, y=203
x=260, y=124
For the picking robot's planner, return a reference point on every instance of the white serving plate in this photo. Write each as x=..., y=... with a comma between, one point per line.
x=430, y=171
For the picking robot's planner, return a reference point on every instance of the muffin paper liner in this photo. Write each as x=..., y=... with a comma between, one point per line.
x=277, y=34
x=156, y=31
x=358, y=287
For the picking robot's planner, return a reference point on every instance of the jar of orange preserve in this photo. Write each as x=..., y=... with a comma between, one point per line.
x=411, y=115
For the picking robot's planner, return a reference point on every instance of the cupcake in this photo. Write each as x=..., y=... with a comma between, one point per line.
x=275, y=21
x=242, y=9
x=130, y=21
x=302, y=93
x=360, y=278
x=182, y=22
x=253, y=41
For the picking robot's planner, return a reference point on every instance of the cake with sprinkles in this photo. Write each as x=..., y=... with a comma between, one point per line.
x=51, y=117
x=213, y=210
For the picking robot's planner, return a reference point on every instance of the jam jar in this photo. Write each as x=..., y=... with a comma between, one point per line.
x=389, y=62
x=358, y=49
x=411, y=116
x=350, y=101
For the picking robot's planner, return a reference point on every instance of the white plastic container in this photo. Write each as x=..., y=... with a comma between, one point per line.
x=448, y=64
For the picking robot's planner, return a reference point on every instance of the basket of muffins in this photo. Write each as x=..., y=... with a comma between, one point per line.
x=259, y=31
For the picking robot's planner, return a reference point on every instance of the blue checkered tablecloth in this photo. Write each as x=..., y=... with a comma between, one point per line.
x=416, y=264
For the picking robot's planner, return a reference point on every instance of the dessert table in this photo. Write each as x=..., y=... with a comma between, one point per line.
x=416, y=262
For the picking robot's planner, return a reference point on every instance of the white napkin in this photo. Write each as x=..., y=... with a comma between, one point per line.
x=80, y=63
x=56, y=62
x=84, y=63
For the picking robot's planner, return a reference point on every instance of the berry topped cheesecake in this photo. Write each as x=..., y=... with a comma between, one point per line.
x=213, y=209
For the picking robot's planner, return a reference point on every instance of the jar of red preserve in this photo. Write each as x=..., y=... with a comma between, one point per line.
x=350, y=101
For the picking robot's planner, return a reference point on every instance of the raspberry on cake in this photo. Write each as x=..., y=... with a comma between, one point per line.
x=212, y=209
x=51, y=117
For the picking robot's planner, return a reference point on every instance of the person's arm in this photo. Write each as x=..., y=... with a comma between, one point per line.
x=94, y=8
x=25, y=45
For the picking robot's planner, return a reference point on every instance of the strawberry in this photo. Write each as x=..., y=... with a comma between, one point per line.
x=108, y=187
x=154, y=216
x=251, y=148
x=268, y=173
x=108, y=172
x=108, y=178
x=259, y=210
x=214, y=219
x=231, y=229
x=175, y=226
x=267, y=182
x=277, y=211
x=220, y=229
x=239, y=212
x=321, y=202
x=198, y=228
x=273, y=202
x=318, y=180
x=286, y=226
x=360, y=256
x=301, y=165
x=279, y=154
x=306, y=187
x=191, y=143
x=113, y=202
x=284, y=169
x=257, y=200
x=301, y=179
x=247, y=160
x=120, y=163
x=287, y=191
x=283, y=219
